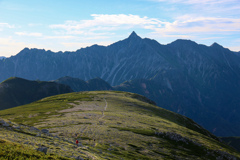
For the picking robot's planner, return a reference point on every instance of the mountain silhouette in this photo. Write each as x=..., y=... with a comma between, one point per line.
x=198, y=81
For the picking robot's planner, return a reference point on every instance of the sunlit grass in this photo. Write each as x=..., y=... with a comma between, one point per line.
x=126, y=129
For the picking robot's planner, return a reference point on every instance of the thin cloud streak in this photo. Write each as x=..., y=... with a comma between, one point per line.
x=104, y=22
x=83, y=45
x=59, y=37
x=220, y=8
x=5, y=25
x=190, y=24
x=200, y=1
x=33, y=34
x=183, y=25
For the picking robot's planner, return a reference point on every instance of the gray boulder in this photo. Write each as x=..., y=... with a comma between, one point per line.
x=79, y=158
x=5, y=124
x=16, y=127
x=34, y=129
x=43, y=149
x=2, y=121
x=45, y=131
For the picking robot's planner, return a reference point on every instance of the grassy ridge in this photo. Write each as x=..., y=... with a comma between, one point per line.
x=37, y=111
x=115, y=125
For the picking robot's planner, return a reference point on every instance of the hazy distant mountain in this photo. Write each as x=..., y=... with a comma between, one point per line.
x=125, y=60
x=18, y=91
x=80, y=85
x=195, y=80
x=238, y=53
x=203, y=84
x=1, y=57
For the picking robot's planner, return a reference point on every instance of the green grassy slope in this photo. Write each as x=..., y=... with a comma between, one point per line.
x=110, y=125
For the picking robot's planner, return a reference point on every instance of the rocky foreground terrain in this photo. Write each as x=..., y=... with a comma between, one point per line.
x=108, y=125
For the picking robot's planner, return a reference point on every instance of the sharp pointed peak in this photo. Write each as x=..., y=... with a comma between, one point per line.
x=216, y=45
x=134, y=35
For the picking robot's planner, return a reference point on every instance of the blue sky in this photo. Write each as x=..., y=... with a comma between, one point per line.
x=67, y=25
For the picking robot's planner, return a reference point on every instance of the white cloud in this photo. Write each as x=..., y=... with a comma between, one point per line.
x=34, y=24
x=220, y=8
x=59, y=37
x=33, y=34
x=78, y=45
x=105, y=22
x=185, y=26
x=200, y=1
x=189, y=24
x=5, y=25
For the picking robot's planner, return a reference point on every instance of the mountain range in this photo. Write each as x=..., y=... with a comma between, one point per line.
x=198, y=81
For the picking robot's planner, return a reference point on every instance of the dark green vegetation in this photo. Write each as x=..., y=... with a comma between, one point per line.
x=96, y=84
x=110, y=125
x=232, y=141
x=17, y=91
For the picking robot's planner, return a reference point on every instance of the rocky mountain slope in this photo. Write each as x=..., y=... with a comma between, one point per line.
x=124, y=60
x=195, y=80
x=108, y=125
x=17, y=91
x=203, y=84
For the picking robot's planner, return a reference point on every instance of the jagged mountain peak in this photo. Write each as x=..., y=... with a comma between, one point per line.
x=134, y=35
x=216, y=45
x=25, y=49
x=31, y=49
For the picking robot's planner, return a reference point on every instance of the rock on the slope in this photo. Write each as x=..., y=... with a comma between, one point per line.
x=79, y=158
x=5, y=124
x=34, y=129
x=42, y=149
x=45, y=131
